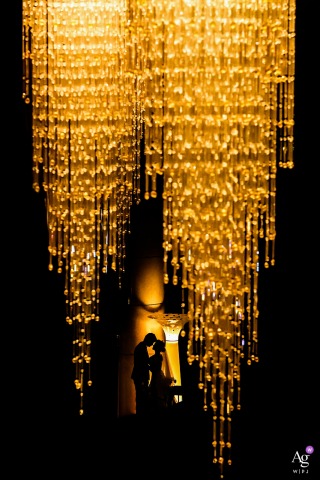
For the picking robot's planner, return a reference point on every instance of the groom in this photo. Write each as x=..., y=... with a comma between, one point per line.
x=140, y=373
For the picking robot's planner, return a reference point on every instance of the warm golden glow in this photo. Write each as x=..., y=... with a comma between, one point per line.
x=219, y=122
x=148, y=286
x=173, y=356
x=212, y=83
x=86, y=121
x=134, y=332
x=172, y=323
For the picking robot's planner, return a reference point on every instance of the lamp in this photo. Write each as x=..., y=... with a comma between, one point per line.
x=209, y=86
x=172, y=324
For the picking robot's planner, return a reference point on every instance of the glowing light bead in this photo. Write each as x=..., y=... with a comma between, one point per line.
x=86, y=140
x=199, y=76
x=216, y=153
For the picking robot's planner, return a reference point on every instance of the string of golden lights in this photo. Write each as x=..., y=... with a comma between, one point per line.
x=208, y=85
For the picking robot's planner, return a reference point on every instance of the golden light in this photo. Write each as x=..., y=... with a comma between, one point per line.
x=148, y=287
x=86, y=127
x=172, y=324
x=220, y=118
x=209, y=87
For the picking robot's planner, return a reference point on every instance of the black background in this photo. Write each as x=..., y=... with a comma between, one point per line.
x=280, y=399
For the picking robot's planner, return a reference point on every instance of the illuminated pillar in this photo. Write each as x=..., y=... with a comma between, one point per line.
x=146, y=294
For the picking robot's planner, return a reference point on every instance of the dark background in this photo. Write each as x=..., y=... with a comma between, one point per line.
x=280, y=399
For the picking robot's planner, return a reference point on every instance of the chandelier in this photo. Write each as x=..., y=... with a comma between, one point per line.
x=204, y=90
x=220, y=119
x=86, y=126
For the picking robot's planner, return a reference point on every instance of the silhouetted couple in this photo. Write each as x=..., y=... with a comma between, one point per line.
x=151, y=395
x=159, y=387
